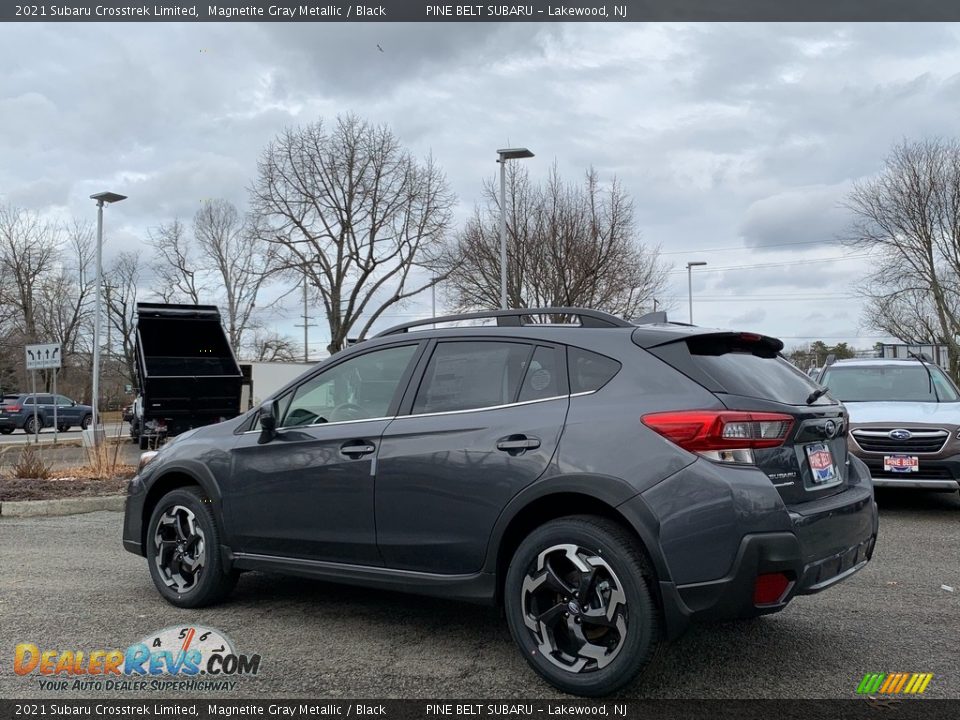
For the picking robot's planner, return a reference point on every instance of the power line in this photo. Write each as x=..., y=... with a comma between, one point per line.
x=694, y=251
x=811, y=261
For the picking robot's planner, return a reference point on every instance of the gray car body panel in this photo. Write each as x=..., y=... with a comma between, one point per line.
x=429, y=511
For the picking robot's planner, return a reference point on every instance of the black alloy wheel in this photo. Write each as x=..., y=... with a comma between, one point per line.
x=582, y=604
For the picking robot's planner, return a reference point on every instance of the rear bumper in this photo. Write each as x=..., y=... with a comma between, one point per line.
x=10, y=423
x=941, y=473
x=830, y=540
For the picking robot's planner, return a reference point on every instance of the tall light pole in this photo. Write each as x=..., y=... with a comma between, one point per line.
x=103, y=198
x=504, y=155
x=690, y=265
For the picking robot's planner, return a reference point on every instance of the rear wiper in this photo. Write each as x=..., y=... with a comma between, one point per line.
x=816, y=395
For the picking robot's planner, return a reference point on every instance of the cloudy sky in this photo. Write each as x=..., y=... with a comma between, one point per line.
x=737, y=142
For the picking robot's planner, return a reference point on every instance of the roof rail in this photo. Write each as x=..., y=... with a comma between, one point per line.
x=514, y=318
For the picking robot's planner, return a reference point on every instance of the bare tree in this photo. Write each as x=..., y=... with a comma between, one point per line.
x=354, y=211
x=568, y=245
x=66, y=292
x=228, y=241
x=273, y=347
x=176, y=264
x=125, y=275
x=29, y=251
x=220, y=261
x=910, y=214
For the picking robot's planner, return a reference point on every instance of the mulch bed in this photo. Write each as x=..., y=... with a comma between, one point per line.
x=56, y=488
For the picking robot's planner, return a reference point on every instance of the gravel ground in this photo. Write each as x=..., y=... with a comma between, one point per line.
x=66, y=583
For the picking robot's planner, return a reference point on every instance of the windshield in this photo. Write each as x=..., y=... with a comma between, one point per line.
x=884, y=383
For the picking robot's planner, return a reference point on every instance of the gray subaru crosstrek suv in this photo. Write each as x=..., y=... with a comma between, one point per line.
x=606, y=482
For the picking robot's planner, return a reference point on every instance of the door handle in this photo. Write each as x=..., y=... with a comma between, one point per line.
x=517, y=444
x=357, y=448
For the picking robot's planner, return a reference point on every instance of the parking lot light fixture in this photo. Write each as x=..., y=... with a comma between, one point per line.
x=102, y=198
x=690, y=265
x=504, y=155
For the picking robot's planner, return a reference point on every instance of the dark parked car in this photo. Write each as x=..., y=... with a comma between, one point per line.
x=606, y=482
x=17, y=413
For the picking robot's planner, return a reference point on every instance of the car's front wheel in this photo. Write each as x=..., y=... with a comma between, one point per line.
x=183, y=550
x=580, y=603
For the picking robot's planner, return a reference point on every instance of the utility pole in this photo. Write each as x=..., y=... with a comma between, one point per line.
x=306, y=320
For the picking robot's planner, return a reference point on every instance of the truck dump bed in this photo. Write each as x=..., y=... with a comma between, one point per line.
x=188, y=374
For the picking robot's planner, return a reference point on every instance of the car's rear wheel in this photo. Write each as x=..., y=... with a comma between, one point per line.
x=30, y=426
x=85, y=422
x=580, y=603
x=183, y=550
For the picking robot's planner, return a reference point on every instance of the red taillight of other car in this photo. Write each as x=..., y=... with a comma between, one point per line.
x=721, y=435
x=11, y=408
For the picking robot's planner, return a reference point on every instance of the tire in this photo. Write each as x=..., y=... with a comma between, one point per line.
x=29, y=427
x=562, y=553
x=6, y=431
x=85, y=422
x=144, y=442
x=63, y=428
x=173, y=548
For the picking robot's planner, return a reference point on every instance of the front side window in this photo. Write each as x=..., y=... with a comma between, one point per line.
x=357, y=389
x=64, y=400
x=471, y=375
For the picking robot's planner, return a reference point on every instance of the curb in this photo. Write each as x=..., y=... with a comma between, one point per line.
x=61, y=506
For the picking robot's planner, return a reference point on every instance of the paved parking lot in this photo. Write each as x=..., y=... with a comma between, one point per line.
x=65, y=583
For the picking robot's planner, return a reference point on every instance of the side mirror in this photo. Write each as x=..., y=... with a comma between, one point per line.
x=73, y=403
x=268, y=420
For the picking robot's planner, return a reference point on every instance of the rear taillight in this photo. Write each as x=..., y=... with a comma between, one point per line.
x=11, y=408
x=721, y=435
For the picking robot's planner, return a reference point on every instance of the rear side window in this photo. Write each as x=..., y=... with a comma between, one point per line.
x=542, y=379
x=471, y=375
x=751, y=370
x=589, y=371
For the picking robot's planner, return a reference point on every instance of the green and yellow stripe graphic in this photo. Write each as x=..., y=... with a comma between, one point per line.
x=894, y=683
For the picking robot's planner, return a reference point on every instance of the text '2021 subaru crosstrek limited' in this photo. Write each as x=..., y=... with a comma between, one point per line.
x=606, y=482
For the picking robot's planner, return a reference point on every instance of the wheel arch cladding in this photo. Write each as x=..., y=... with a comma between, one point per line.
x=550, y=506
x=171, y=480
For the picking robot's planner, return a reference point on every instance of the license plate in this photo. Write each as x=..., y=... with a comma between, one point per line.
x=821, y=464
x=901, y=463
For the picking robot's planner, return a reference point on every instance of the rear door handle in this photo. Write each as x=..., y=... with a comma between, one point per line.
x=357, y=448
x=516, y=444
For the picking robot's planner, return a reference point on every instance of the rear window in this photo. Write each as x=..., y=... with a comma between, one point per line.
x=750, y=369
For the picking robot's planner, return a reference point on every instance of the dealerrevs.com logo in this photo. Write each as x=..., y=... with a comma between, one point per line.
x=176, y=658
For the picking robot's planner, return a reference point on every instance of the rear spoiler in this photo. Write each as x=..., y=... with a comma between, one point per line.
x=707, y=341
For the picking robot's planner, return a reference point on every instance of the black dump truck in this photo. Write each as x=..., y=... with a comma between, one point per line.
x=188, y=375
